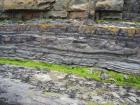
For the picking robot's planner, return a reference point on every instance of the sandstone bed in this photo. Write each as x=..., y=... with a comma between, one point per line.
x=105, y=9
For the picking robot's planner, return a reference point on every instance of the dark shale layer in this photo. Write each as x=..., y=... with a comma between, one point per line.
x=131, y=9
x=109, y=46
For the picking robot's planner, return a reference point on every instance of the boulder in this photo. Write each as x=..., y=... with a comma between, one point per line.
x=77, y=8
x=27, y=4
x=113, y=6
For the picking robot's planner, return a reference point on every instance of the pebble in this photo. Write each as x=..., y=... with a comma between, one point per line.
x=132, y=99
x=115, y=95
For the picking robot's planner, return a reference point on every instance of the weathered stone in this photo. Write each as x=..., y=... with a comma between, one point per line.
x=131, y=10
x=97, y=99
x=105, y=9
x=115, y=95
x=41, y=78
x=56, y=91
x=16, y=92
x=104, y=76
x=26, y=4
x=116, y=5
x=79, y=9
x=132, y=99
x=57, y=14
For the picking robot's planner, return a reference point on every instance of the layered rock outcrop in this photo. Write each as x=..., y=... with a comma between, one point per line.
x=105, y=9
x=109, y=46
x=77, y=8
x=131, y=10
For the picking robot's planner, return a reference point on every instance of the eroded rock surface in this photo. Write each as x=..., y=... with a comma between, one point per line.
x=15, y=92
x=46, y=4
x=26, y=4
x=131, y=9
x=105, y=9
x=59, y=89
x=116, y=5
x=77, y=8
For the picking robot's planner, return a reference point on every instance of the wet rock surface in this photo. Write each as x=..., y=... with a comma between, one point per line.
x=28, y=86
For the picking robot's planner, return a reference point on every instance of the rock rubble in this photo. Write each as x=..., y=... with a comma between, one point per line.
x=54, y=83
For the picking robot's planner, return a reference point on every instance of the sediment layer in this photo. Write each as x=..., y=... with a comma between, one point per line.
x=104, y=45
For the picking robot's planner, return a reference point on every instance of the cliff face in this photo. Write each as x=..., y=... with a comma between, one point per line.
x=131, y=9
x=77, y=8
x=26, y=4
x=60, y=4
x=105, y=9
x=114, y=47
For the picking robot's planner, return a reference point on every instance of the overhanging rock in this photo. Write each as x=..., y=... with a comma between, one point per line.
x=26, y=4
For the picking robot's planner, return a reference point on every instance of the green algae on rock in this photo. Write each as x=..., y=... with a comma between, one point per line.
x=114, y=77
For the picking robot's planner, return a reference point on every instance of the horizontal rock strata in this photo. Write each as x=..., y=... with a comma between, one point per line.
x=131, y=10
x=109, y=47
